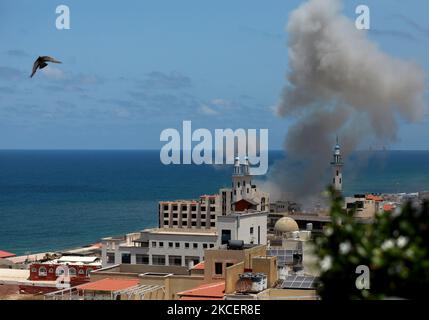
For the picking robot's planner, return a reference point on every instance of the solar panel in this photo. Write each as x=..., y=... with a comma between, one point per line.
x=284, y=256
x=299, y=282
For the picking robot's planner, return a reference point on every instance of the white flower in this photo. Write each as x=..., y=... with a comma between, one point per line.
x=329, y=231
x=388, y=244
x=345, y=247
x=326, y=263
x=402, y=241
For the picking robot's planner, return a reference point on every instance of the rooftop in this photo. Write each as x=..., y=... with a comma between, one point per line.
x=182, y=231
x=5, y=254
x=76, y=260
x=211, y=291
x=109, y=285
x=199, y=266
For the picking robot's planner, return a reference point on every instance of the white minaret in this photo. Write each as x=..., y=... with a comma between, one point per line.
x=241, y=180
x=337, y=164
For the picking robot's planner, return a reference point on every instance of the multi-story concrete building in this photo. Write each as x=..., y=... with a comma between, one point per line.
x=180, y=246
x=160, y=246
x=202, y=213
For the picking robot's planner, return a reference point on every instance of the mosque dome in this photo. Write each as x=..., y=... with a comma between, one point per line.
x=286, y=224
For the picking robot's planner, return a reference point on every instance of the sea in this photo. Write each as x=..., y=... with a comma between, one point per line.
x=56, y=200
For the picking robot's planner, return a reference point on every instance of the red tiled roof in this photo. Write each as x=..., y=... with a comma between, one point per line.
x=109, y=284
x=199, y=266
x=211, y=291
x=198, y=298
x=5, y=254
x=388, y=207
x=373, y=197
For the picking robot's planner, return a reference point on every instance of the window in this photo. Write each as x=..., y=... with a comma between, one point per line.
x=226, y=236
x=175, y=215
x=203, y=208
x=212, y=217
x=165, y=206
x=212, y=224
x=203, y=224
x=194, y=216
x=153, y=244
x=175, y=260
x=81, y=272
x=212, y=209
x=174, y=223
x=238, y=185
x=184, y=216
x=175, y=207
x=218, y=268
x=177, y=245
x=194, y=208
x=170, y=244
x=43, y=272
x=193, y=223
x=59, y=271
x=195, y=245
x=110, y=257
x=204, y=245
x=187, y=245
x=203, y=216
x=158, y=260
x=228, y=264
x=251, y=230
x=142, y=259
x=166, y=215
x=51, y=270
x=211, y=245
x=184, y=207
x=185, y=223
x=161, y=244
x=126, y=258
x=72, y=272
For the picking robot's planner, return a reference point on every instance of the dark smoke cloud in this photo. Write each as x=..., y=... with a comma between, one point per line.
x=339, y=83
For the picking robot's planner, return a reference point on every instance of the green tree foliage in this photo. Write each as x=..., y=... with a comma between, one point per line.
x=395, y=247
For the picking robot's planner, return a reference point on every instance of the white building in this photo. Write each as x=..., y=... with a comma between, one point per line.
x=251, y=227
x=183, y=247
x=160, y=246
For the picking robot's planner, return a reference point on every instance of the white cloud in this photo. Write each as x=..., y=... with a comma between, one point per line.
x=205, y=109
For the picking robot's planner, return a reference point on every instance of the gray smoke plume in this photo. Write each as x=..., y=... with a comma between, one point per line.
x=339, y=83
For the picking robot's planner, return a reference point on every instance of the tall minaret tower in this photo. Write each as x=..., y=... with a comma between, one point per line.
x=241, y=180
x=337, y=164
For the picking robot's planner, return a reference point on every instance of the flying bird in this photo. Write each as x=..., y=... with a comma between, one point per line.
x=41, y=62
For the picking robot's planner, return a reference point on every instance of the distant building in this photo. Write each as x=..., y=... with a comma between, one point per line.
x=364, y=205
x=202, y=213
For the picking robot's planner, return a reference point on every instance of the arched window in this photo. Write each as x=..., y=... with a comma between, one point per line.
x=60, y=270
x=72, y=272
x=81, y=271
x=51, y=270
x=42, y=272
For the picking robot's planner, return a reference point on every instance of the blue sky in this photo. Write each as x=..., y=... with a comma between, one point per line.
x=134, y=68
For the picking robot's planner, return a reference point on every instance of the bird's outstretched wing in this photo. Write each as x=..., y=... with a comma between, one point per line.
x=50, y=59
x=35, y=66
